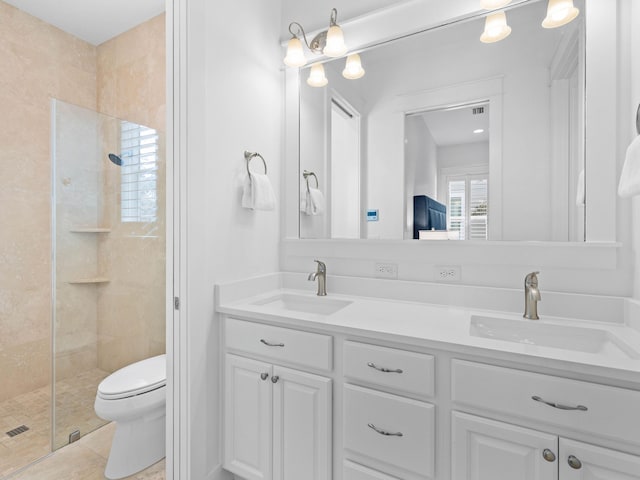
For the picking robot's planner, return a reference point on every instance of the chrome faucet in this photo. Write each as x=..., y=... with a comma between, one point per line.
x=531, y=296
x=321, y=275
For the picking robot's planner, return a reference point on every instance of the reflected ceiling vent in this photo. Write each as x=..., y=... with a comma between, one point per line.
x=478, y=110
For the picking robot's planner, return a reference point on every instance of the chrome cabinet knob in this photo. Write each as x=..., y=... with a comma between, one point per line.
x=264, y=376
x=548, y=455
x=574, y=462
x=275, y=379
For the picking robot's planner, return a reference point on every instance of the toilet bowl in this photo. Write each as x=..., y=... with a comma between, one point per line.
x=134, y=397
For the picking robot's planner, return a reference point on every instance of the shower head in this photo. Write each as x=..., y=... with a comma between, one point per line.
x=115, y=159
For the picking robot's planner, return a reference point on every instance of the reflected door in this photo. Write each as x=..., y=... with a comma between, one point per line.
x=345, y=171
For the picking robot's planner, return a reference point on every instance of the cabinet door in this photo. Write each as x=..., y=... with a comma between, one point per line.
x=247, y=418
x=302, y=425
x=484, y=449
x=580, y=461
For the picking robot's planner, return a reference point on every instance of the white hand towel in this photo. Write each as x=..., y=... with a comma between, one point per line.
x=312, y=202
x=317, y=201
x=630, y=178
x=580, y=190
x=258, y=193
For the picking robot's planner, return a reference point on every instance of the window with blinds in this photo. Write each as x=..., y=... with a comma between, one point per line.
x=139, y=173
x=467, y=201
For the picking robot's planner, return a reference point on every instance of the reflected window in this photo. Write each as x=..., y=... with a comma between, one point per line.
x=139, y=173
x=467, y=200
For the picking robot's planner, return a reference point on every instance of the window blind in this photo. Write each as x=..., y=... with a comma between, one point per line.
x=139, y=173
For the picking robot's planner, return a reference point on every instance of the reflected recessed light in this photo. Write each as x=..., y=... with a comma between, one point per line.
x=479, y=130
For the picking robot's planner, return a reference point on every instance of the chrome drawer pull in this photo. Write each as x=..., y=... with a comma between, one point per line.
x=382, y=369
x=582, y=408
x=269, y=344
x=382, y=432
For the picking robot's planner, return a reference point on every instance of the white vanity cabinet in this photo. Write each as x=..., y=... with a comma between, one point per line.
x=486, y=449
x=277, y=420
x=388, y=431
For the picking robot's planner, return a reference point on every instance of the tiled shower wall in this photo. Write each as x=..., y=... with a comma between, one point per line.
x=131, y=307
x=37, y=62
x=124, y=77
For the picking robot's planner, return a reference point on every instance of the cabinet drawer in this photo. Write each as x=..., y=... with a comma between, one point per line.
x=353, y=471
x=608, y=412
x=279, y=344
x=407, y=446
x=395, y=369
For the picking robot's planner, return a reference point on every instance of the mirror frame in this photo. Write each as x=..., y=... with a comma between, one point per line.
x=600, y=130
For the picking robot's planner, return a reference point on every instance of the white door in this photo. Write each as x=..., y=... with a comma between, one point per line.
x=302, y=425
x=484, y=449
x=247, y=423
x=580, y=461
x=345, y=170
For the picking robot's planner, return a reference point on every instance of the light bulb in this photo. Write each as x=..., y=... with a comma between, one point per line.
x=295, y=53
x=559, y=13
x=495, y=28
x=353, y=68
x=493, y=4
x=316, y=76
x=335, y=46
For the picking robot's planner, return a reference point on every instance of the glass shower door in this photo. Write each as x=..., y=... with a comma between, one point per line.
x=109, y=257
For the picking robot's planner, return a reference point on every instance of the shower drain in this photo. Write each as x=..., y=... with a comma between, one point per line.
x=17, y=430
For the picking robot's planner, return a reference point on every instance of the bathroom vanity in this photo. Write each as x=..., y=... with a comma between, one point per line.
x=360, y=387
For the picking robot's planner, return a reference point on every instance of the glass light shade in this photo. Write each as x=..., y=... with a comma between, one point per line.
x=493, y=4
x=335, y=46
x=295, y=53
x=353, y=68
x=559, y=12
x=495, y=28
x=316, y=76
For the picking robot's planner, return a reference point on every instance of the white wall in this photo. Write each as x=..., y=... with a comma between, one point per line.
x=633, y=56
x=234, y=103
x=464, y=155
x=421, y=167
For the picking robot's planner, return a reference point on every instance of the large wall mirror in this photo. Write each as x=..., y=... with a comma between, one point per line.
x=446, y=137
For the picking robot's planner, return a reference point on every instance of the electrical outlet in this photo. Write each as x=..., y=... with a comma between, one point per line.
x=448, y=273
x=385, y=270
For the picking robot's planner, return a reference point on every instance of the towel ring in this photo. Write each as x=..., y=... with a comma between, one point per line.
x=248, y=156
x=306, y=174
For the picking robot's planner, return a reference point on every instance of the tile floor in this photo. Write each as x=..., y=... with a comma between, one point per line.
x=84, y=460
x=74, y=411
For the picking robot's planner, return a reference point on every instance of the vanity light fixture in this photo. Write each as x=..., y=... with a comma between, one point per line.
x=494, y=4
x=353, y=68
x=495, y=28
x=329, y=42
x=317, y=78
x=559, y=12
x=478, y=130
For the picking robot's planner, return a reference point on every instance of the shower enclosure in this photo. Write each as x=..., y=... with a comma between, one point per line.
x=86, y=295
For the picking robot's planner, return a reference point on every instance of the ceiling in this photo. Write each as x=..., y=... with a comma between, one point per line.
x=94, y=21
x=455, y=126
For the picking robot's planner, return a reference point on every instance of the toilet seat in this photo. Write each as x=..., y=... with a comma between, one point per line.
x=135, y=379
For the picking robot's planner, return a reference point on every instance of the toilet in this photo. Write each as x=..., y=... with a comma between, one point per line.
x=135, y=398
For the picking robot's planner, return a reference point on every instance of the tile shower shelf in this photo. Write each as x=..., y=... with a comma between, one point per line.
x=90, y=230
x=85, y=281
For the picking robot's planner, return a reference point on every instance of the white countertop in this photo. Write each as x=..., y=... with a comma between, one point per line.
x=434, y=326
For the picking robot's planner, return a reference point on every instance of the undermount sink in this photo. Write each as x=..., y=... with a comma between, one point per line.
x=567, y=337
x=303, y=303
